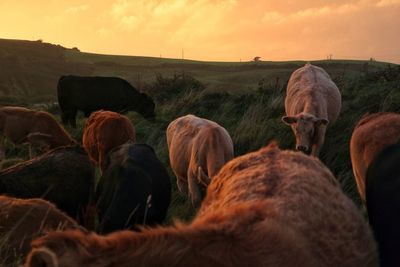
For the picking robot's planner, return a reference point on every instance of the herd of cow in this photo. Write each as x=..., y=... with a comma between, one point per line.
x=266, y=208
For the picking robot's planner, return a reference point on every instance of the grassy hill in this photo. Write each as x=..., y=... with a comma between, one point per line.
x=31, y=69
x=244, y=97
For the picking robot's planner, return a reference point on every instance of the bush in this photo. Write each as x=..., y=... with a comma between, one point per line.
x=165, y=89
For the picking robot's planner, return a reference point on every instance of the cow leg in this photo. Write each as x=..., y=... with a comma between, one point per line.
x=101, y=156
x=102, y=163
x=64, y=118
x=72, y=119
x=32, y=151
x=319, y=141
x=2, y=149
x=194, y=192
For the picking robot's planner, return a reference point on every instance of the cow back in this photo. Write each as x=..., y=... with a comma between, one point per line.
x=94, y=93
x=63, y=176
x=134, y=190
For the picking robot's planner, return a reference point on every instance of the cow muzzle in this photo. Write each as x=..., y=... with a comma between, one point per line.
x=304, y=149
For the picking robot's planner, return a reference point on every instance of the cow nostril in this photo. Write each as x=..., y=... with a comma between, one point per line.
x=301, y=148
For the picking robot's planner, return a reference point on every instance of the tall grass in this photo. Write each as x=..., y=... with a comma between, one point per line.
x=254, y=119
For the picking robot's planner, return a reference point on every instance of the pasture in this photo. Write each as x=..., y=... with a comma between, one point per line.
x=246, y=98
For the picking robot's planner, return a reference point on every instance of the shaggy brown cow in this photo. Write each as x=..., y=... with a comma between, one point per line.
x=38, y=128
x=312, y=101
x=267, y=208
x=103, y=131
x=22, y=220
x=198, y=148
x=370, y=136
x=64, y=176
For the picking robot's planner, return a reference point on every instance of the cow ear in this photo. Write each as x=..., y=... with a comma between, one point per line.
x=321, y=122
x=289, y=120
x=42, y=257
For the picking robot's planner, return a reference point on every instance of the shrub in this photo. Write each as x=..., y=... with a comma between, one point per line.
x=165, y=89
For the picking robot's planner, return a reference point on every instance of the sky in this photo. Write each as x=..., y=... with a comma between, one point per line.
x=214, y=30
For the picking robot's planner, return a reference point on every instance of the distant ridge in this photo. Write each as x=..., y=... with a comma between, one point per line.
x=30, y=70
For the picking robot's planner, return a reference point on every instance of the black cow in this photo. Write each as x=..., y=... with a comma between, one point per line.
x=89, y=94
x=63, y=176
x=134, y=190
x=383, y=203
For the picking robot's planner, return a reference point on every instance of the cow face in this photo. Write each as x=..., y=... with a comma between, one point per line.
x=305, y=127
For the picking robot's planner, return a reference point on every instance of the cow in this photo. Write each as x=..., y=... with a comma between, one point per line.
x=198, y=148
x=266, y=208
x=22, y=220
x=38, y=128
x=89, y=94
x=383, y=203
x=134, y=190
x=312, y=101
x=371, y=134
x=103, y=131
x=63, y=176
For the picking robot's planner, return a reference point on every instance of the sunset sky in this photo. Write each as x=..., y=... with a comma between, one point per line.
x=218, y=30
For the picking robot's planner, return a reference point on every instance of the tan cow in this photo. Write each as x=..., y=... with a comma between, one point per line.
x=198, y=148
x=22, y=220
x=103, y=131
x=312, y=101
x=370, y=136
x=38, y=128
x=267, y=208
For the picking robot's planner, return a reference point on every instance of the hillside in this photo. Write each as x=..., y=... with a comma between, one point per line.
x=30, y=70
x=245, y=97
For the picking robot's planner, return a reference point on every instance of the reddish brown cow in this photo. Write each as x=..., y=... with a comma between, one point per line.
x=22, y=220
x=103, y=131
x=370, y=136
x=198, y=148
x=312, y=101
x=267, y=208
x=38, y=128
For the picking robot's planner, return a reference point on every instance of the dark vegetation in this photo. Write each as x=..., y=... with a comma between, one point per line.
x=245, y=98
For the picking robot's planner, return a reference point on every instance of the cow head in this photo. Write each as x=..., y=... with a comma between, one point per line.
x=304, y=126
x=147, y=106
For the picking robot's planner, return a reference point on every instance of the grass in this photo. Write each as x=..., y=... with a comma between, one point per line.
x=33, y=69
x=244, y=97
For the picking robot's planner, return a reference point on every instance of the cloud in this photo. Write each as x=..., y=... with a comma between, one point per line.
x=308, y=13
x=273, y=17
x=179, y=20
x=103, y=31
x=76, y=9
x=214, y=29
x=385, y=3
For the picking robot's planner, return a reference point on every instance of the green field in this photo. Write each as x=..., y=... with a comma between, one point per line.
x=244, y=97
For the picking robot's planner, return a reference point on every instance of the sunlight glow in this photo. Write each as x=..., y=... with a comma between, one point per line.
x=221, y=30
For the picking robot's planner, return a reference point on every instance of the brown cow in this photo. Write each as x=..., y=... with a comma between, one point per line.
x=198, y=148
x=312, y=101
x=103, y=131
x=38, y=128
x=370, y=136
x=267, y=208
x=22, y=220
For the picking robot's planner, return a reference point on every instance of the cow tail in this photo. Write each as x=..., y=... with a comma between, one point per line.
x=202, y=177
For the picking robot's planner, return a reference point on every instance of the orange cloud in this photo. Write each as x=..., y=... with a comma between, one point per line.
x=212, y=29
